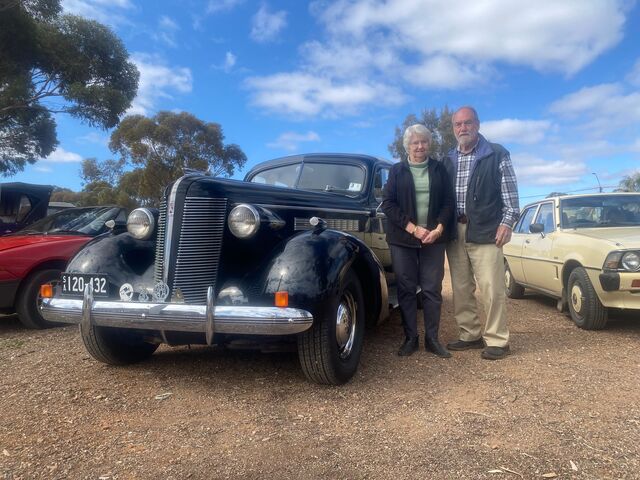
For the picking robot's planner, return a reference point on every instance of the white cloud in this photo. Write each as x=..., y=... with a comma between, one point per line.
x=532, y=170
x=43, y=169
x=601, y=108
x=166, y=31
x=94, y=137
x=266, y=25
x=302, y=94
x=215, y=6
x=541, y=34
x=511, y=130
x=157, y=81
x=406, y=45
x=290, y=140
x=229, y=61
x=60, y=155
x=110, y=12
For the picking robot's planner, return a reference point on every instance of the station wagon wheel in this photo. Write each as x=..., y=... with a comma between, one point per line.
x=584, y=305
x=28, y=299
x=330, y=350
x=514, y=290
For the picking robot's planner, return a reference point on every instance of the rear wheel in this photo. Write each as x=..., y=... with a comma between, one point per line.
x=29, y=299
x=514, y=290
x=330, y=350
x=116, y=346
x=584, y=305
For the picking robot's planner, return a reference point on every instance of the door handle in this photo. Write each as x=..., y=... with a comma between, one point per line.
x=527, y=241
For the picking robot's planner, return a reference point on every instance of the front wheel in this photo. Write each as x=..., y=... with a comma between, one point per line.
x=330, y=350
x=116, y=346
x=584, y=305
x=514, y=290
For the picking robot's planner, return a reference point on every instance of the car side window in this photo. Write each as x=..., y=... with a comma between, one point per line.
x=525, y=220
x=379, y=181
x=545, y=217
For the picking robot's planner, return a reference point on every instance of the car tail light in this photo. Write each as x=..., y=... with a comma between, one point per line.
x=282, y=299
x=46, y=290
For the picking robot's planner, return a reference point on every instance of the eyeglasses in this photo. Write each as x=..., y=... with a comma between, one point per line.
x=466, y=123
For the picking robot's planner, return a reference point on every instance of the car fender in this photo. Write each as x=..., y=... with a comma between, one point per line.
x=312, y=264
x=123, y=258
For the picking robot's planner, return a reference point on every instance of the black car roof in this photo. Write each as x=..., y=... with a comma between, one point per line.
x=369, y=160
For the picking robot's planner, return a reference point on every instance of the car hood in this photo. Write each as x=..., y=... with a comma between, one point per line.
x=621, y=237
x=8, y=243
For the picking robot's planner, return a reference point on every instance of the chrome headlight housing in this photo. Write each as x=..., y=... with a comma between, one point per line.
x=244, y=220
x=631, y=261
x=141, y=223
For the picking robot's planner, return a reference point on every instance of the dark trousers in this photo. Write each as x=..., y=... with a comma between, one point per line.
x=425, y=267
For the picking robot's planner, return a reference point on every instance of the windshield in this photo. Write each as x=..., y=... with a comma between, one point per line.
x=87, y=221
x=321, y=177
x=600, y=211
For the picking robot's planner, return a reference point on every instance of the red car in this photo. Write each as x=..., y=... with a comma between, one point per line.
x=38, y=253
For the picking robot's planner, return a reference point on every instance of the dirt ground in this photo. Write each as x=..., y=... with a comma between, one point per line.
x=565, y=404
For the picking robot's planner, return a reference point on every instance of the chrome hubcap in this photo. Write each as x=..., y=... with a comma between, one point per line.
x=346, y=324
x=507, y=278
x=576, y=298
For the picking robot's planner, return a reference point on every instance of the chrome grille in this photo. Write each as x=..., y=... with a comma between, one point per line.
x=199, y=247
x=162, y=226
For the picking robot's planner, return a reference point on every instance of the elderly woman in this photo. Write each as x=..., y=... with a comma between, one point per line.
x=418, y=201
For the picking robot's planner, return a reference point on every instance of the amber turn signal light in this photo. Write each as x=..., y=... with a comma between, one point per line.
x=282, y=299
x=46, y=290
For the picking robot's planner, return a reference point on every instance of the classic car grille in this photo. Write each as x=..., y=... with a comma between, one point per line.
x=162, y=226
x=343, y=224
x=199, y=247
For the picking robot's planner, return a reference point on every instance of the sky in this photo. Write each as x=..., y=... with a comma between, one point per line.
x=557, y=82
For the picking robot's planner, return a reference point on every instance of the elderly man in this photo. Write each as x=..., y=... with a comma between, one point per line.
x=486, y=209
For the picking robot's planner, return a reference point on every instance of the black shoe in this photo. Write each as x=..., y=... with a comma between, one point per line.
x=435, y=347
x=409, y=346
x=495, y=353
x=464, y=345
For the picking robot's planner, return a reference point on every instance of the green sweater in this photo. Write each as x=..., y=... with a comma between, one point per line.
x=420, y=174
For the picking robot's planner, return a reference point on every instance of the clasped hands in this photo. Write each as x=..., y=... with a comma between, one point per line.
x=425, y=235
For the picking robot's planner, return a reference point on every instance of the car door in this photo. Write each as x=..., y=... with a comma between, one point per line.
x=513, y=249
x=376, y=236
x=540, y=269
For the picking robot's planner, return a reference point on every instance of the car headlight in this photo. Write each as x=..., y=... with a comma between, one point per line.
x=631, y=261
x=141, y=223
x=244, y=221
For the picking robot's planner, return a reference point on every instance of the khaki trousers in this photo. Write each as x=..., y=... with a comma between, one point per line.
x=481, y=264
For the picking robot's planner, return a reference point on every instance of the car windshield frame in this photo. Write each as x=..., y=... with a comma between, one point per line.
x=73, y=221
x=348, y=179
x=600, y=211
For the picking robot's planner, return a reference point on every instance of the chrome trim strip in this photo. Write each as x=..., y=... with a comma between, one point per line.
x=179, y=316
x=210, y=314
x=384, y=298
x=333, y=210
x=168, y=233
x=87, y=305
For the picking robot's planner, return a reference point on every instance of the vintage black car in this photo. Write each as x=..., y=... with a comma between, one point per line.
x=22, y=204
x=295, y=253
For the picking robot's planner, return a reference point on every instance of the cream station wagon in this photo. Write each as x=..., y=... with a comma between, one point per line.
x=583, y=250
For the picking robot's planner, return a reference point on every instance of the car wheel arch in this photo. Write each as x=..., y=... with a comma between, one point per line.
x=567, y=268
x=46, y=265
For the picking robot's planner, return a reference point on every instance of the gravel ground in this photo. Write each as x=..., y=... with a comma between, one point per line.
x=565, y=404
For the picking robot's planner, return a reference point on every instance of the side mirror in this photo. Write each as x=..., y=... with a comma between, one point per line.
x=536, y=228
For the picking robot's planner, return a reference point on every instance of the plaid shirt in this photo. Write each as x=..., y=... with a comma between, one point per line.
x=509, y=186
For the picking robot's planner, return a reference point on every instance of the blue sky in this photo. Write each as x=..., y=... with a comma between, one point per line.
x=555, y=81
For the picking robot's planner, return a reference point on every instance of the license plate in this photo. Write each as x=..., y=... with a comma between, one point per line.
x=75, y=283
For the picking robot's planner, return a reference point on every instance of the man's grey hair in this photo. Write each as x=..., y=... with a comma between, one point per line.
x=468, y=107
x=415, y=129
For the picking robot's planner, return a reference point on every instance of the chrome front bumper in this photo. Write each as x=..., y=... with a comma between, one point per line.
x=179, y=317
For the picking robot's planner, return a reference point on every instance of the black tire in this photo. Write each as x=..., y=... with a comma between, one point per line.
x=116, y=346
x=514, y=290
x=330, y=354
x=28, y=299
x=584, y=305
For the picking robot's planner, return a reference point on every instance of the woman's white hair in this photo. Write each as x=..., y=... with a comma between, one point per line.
x=416, y=129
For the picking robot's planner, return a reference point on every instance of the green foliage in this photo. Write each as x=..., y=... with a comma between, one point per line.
x=52, y=63
x=631, y=183
x=439, y=123
x=162, y=148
